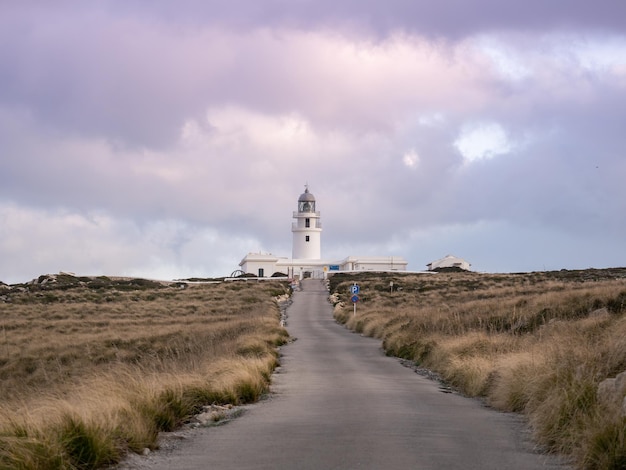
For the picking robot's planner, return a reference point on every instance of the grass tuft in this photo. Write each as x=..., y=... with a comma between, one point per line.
x=605, y=447
x=87, y=445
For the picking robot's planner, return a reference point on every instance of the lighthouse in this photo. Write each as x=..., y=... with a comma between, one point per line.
x=307, y=229
x=306, y=254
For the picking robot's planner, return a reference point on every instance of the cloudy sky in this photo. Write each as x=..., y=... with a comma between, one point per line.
x=168, y=139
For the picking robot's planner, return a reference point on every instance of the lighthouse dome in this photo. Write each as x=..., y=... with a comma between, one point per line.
x=306, y=196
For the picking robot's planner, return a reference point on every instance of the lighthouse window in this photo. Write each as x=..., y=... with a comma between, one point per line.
x=307, y=223
x=307, y=238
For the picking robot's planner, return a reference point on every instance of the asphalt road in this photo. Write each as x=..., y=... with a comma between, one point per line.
x=339, y=403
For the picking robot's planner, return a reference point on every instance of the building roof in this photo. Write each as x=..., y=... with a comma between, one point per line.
x=257, y=257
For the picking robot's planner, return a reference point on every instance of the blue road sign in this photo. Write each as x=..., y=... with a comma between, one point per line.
x=354, y=289
x=354, y=298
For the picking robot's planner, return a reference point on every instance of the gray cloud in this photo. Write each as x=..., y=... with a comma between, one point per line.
x=449, y=18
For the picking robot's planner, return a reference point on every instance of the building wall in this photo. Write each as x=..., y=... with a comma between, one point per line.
x=374, y=263
x=253, y=262
x=299, y=268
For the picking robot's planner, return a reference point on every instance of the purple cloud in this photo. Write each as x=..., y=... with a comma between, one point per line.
x=424, y=128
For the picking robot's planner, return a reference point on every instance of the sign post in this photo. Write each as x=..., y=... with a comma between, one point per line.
x=355, y=299
x=354, y=290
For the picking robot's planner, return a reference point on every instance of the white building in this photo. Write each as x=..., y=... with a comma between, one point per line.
x=306, y=259
x=449, y=261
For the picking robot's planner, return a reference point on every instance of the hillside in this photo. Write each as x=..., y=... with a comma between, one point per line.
x=549, y=345
x=92, y=368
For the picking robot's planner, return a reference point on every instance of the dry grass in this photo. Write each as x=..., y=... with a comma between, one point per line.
x=535, y=343
x=91, y=369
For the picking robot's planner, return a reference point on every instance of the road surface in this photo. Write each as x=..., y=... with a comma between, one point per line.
x=338, y=402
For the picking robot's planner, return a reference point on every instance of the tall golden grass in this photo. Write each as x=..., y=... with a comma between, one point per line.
x=90, y=371
x=535, y=343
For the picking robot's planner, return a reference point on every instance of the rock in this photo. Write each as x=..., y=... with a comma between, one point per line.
x=613, y=391
x=213, y=414
x=206, y=418
x=620, y=384
x=606, y=390
x=601, y=312
x=146, y=451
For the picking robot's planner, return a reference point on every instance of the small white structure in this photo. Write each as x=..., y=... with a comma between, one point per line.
x=449, y=261
x=306, y=260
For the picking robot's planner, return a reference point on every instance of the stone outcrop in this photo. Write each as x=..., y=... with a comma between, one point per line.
x=215, y=414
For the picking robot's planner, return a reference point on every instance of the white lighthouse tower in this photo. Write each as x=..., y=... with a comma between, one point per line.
x=307, y=229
